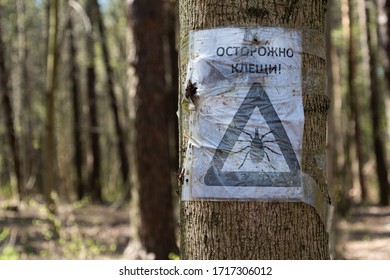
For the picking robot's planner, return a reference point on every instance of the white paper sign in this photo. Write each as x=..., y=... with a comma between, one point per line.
x=246, y=126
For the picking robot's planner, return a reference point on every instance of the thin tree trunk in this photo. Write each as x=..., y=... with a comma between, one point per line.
x=9, y=118
x=354, y=99
x=27, y=149
x=254, y=229
x=336, y=122
x=151, y=178
x=94, y=165
x=78, y=147
x=122, y=151
x=49, y=148
x=348, y=168
x=377, y=111
x=387, y=42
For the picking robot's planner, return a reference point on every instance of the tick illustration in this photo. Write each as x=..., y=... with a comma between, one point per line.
x=257, y=147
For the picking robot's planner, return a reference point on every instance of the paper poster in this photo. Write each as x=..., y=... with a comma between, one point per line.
x=246, y=118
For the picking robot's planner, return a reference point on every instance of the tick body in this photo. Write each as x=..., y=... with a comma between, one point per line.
x=257, y=148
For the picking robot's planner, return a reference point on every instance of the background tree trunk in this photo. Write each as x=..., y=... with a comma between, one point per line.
x=386, y=8
x=348, y=171
x=50, y=146
x=94, y=154
x=251, y=229
x=26, y=136
x=149, y=141
x=9, y=118
x=76, y=101
x=377, y=107
x=354, y=99
x=122, y=151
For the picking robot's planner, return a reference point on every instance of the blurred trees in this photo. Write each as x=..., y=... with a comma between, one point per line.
x=9, y=116
x=360, y=94
x=61, y=136
x=377, y=100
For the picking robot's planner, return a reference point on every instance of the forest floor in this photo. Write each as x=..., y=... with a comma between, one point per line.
x=364, y=234
x=77, y=231
x=90, y=231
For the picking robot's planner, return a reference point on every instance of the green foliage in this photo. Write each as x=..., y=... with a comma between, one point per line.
x=6, y=191
x=8, y=252
x=4, y=234
x=173, y=257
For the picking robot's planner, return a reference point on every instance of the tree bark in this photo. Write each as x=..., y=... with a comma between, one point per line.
x=332, y=135
x=150, y=173
x=254, y=229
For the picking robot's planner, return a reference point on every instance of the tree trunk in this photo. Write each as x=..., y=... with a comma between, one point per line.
x=337, y=116
x=256, y=229
x=9, y=118
x=348, y=168
x=387, y=42
x=377, y=108
x=49, y=148
x=151, y=178
x=354, y=99
x=75, y=91
x=94, y=165
x=27, y=149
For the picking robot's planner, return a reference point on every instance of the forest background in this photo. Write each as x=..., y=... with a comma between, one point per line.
x=67, y=124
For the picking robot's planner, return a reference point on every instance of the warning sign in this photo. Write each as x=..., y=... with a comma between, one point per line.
x=247, y=121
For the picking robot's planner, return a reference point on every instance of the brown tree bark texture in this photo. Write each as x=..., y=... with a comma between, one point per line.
x=254, y=229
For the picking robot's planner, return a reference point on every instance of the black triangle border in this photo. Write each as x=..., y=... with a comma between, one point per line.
x=256, y=97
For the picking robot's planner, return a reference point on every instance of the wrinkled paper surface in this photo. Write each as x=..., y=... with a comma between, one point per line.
x=246, y=118
x=247, y=115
